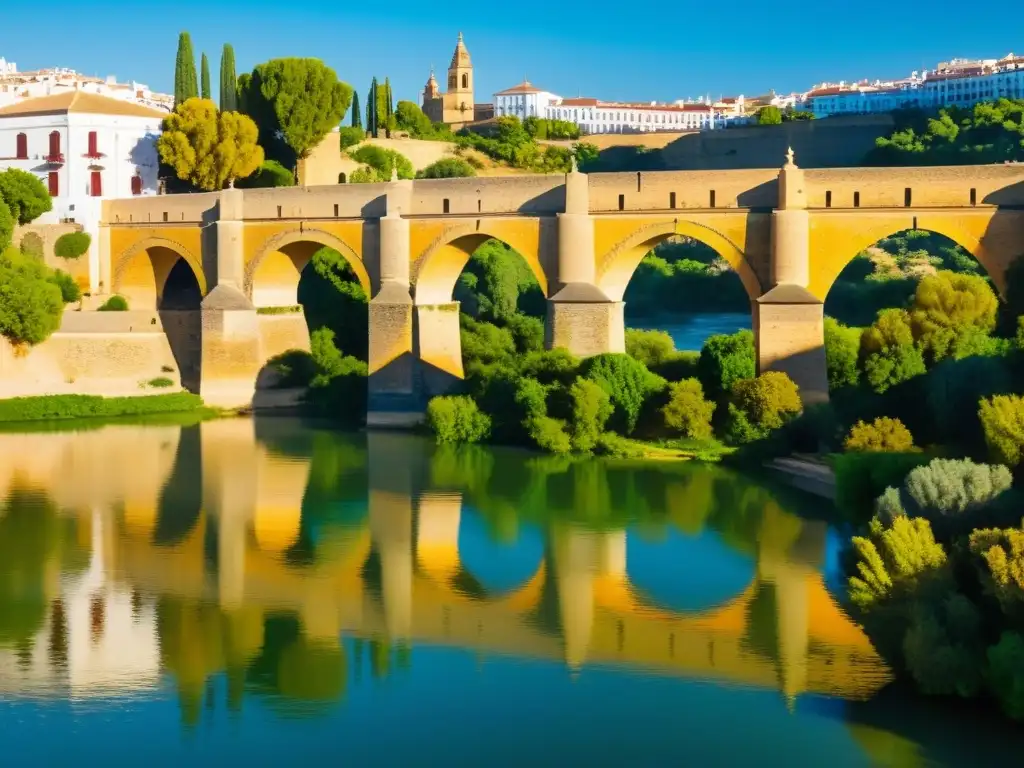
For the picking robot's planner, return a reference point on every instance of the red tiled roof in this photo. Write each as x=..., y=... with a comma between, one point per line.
x=524, y=87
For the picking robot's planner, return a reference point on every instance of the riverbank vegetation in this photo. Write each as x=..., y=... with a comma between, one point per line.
x=65, y=407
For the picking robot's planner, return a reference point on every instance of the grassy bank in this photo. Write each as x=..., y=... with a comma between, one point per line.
x=70, y=407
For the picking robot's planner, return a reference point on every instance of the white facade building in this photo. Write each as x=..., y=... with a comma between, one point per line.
x=523, y=101
x=17, y=86
x=84, y=148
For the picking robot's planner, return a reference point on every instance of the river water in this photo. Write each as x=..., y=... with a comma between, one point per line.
x=256, y=593
x=689, y=332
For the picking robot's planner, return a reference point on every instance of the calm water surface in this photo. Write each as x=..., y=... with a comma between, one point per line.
x=256, y=593
x=689, y=332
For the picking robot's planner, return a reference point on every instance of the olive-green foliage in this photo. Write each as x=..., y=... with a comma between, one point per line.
x=204, y=70
x=485, y=342
x=457, y=419
x=52, y=407
x=842, y=350
x=115, y=303
x=447, y=168
x=497, y=283
x=409, y=117
x=882, y=435
x=541, y=128
x=627, y=382
x=649, y=347
x=1006, y=673
x=301, y=98
x=687, y=413
x=69, y=290
x=269, y=174
x=1002, y=421
x=942, y=646
x=724, y=360
x=350, y=135
x=31, y=301
x=511, y=144
x=952, y=313
x=591, y=409
x=1002, y=555
x=946, y=488
x=549, y=434
x=72, y=245
x=760, y=405
x=380, y=161
x=6, y=226
x=893, y=557
x=332, y=297
x=228, y=101
x=769, y=115
x=25, y=195
x=888, y=353
x=862, y=477
x=31, y=244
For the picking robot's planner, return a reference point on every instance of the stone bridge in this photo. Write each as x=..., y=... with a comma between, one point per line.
x=787, y=233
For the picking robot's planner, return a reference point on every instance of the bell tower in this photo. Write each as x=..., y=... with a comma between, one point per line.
x=458, y=106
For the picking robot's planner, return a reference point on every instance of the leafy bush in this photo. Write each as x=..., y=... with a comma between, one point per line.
x=649, y=347
x=724, y=360
x=945, y=488
x=350, y=135
x=457, y=419
x=6, y=226
x=54, y=407
x=1006, y=673
x=842, y=350
x=270, y=173
x=294, y=367
x=160, y=382
x=115, y=303
x=760, y=405
x=862, y=477
x=31, y=302
x=952, y=313
x=883, y=435
x=549, y=434
x=889, y=355
x=380, y=161
x=69, y=290
x=627, y=382
x=591, y=408
x=26, y=197
x=687, y=412
x=1002, y=555
x=953, y=391
x=31, y=244
x=1002, y=421
x=72, y=245
x=447, y=168
x=409, y=117
x=893, y=557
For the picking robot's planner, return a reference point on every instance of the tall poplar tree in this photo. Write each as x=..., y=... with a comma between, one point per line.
x=204, y=77
x=185, y=85
x=357, y=115
x=372, y=110
x=228, y=82
x=389, y=109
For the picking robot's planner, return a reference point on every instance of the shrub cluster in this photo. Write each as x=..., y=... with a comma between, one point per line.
x=72, y=245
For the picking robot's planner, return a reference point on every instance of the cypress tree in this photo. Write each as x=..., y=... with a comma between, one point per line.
x=372, y=110
x=185, y=85
x=204, y=75
x=389, y=110
x=228, y=83
x=357, y=115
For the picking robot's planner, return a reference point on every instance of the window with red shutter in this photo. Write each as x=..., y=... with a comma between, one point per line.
x=54, y=143
x=22, y=153
x=136, y=185
x=97, y=184
x=92, y=144
x=51, y=183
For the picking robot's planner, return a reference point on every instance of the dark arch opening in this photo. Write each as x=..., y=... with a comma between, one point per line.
x=178, y=305
x=342, y=178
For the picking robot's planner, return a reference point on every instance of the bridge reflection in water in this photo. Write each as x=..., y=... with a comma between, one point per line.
x=260, y=550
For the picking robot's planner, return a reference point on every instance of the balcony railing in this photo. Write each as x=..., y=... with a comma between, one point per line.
x=93, y=154
x=54, y=158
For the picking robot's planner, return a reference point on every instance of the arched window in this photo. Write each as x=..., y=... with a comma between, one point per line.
x=342, y=178
x=136, y=185
x=465, y=80
x=452, y=80
x=22, y=147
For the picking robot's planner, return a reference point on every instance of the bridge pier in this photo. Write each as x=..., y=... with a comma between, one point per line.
x=438, y=347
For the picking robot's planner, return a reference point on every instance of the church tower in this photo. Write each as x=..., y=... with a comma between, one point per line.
x=458, y=99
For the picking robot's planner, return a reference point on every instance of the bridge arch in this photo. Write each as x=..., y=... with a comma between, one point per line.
x=272, y=275
x=617, y=265
x=438, y=267
x=141, y=273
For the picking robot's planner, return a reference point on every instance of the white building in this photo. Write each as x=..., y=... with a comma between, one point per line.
x=84, y=148
x=17, y=86
x=523, y=101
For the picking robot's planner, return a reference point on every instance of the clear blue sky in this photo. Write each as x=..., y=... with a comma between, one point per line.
x=638, y=50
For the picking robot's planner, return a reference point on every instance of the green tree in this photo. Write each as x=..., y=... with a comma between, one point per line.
x=357, y=116
x=881, y=435
x=372, y=126
x=185, y=84
x=586, y=154
x=446, y=168
x=31, y=300
x=380, y=161
x=72, y=245
x=687, y=412
x=952, y=314
x=457, y=419
x=25, y=195
x=769, y=116
x=204, y=78
x=842, y=349
x=301, y=100
x=349, y=136
x=724, y=360
x=760, y=405
x=206, y=148
x=628, y=384
x=591, y=409
x=228, y=81
x=6, y=225
x=269, y=174
x=1002, y=420
x=409, y=117
x=888, y=353
x=389, y=109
